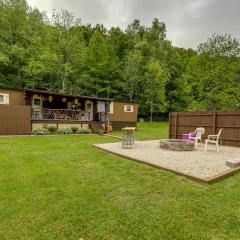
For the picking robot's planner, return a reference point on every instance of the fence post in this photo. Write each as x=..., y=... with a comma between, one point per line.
x=214, y=122
x=169, y=125
x=176, y=120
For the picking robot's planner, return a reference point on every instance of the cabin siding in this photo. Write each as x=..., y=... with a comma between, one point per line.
x=119, y=115
x=15, y=97
x=120, y=119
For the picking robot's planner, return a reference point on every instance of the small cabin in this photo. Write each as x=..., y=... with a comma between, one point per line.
x=22, y=111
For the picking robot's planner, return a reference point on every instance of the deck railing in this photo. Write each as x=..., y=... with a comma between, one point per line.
x=60, y=114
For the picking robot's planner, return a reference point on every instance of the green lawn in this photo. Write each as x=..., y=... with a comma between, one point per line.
x=60, y=187
x=148, y=131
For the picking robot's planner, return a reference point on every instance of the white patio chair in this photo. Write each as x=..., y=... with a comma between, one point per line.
x=212, y=139
x=196, y=136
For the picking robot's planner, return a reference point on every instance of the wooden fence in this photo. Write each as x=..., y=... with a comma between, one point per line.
x=15, y=120
x=212, y=121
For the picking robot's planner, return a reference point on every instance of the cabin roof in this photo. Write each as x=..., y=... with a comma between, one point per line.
x=29, y=90
x=26, y=90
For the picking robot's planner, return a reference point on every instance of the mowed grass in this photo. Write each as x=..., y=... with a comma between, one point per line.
x=60, y=187
x=148, y=131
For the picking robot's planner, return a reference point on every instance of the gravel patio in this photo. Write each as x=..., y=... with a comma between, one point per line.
x=197, y=165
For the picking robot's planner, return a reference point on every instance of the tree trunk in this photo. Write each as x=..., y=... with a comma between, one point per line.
x=151, y=111
x=64, y=78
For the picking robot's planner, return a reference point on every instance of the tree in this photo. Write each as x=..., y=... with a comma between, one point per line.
x=132, y=74
x=221, y=45
x=101, y=66
x=155, y=81
x=214, y=75
x=14, y=25
x=67, y=46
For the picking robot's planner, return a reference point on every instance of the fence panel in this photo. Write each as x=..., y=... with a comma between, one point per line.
x=15, y=120
x=212, y=121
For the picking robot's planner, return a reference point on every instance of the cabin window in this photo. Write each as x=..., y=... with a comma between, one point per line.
x=89, y=106
x=36, y=102
x=128, y=108
x=110, y=108
x=4, y=98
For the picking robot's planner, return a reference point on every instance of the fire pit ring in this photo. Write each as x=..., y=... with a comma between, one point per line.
x=177, y=145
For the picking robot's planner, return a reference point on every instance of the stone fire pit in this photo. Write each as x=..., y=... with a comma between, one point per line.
x=177, y=145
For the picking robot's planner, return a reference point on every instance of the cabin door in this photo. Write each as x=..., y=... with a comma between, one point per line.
x=100, y=106
x=89, y=108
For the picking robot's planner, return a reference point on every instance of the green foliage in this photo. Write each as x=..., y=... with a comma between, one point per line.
x=84, y=131
x=149, y=131
x=52, y=130
x=74, y=129
x=138, y=64
x=133, y=74
x=41, y=131
x=156, y=78
x=214, y=75
x=65, y=131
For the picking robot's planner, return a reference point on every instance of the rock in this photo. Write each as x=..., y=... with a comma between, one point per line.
x=233, y=163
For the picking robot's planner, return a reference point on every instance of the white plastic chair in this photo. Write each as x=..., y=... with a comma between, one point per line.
x=196, y=136
x=212, y=139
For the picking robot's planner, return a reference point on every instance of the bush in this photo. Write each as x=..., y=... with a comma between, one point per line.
x=65, y=131
x=41, y=131
x=74, y=129
x=52, y=129
x=84, y=131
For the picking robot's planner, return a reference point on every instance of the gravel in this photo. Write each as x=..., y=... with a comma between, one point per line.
x=196, y=163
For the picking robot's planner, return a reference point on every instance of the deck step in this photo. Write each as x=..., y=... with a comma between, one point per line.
x=97, y=127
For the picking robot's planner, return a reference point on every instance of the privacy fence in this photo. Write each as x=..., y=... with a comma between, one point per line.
x=15, y=120
x=212, y=121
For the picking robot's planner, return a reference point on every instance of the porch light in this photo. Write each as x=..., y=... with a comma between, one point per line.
x=50, y=98
x=75, y=101
x=64, y=99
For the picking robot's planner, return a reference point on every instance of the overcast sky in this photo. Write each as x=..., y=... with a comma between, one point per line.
x=189, y=22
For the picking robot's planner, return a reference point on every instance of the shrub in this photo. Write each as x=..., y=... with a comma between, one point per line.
x=74, y=129
x=52, y=129
x=65, y=131
x=41, y=131
x=101, y=131
x=84, y=131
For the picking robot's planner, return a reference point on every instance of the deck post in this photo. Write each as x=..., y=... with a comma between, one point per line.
x=106, y=120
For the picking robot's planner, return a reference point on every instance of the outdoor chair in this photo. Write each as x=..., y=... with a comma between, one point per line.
x=212, y=139
x=196, y=136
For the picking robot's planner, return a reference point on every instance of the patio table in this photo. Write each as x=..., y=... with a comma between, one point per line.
x=128, y=137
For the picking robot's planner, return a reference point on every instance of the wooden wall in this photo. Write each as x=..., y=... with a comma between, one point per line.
x=15, y=120
x=212, y=121
x=119, y=125
x=119, y=115
x=16, y=97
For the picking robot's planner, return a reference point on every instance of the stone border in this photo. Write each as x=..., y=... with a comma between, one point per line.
x=208, y=180
x=176, y=145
